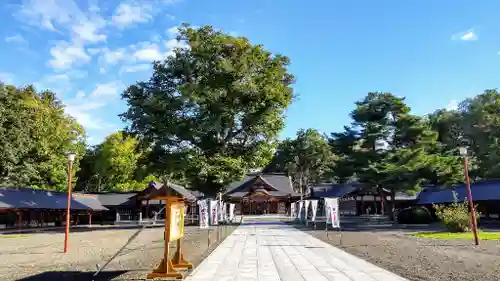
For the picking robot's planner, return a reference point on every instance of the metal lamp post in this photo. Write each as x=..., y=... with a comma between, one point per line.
x=463, y=152
x=71, y=159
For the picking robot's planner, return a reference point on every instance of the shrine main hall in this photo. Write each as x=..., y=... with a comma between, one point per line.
x=262, y=194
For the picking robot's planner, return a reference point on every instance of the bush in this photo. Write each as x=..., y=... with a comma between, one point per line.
x=415, y=215
x=456, y=217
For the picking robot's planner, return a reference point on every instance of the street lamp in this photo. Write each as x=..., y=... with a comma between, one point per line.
x=463, y=152
x=71, y=159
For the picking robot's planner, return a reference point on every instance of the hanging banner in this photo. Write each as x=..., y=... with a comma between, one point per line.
x=314, y=208
x=220, y=204
x=306, y=209
x=224, y=212
x=299, y=210
x=332, y=211
x=203, y=210
x=293, y=214
x=231, y=211
x=214, y=212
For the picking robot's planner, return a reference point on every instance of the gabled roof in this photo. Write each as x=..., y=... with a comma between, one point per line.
x=117, y=199
x=331, y=190
x=281, y=184
x=158, y=189
x=481, y=191
x=26, y=198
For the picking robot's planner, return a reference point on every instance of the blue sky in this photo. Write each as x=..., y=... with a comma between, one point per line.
x=435, y=53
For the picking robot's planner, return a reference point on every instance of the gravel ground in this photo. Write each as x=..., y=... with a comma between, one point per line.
x=418, y=259
x=40, y=256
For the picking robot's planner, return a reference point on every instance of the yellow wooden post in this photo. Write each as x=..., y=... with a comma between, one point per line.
x=174, y=230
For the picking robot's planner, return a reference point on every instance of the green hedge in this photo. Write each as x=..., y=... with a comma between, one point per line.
x=415, y=215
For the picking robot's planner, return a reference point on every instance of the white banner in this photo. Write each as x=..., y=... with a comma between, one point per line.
x=332, y=211
x=314, y=207
x=214, y=212
x=220, y=207
x=224, y=212
x=231, y=211
x=299, y=210
x=203, y=210
x=306, y=209
x=293, y=213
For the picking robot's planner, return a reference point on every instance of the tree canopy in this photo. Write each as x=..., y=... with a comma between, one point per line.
x=213, y=109
x=35, y=139
x=212, y=112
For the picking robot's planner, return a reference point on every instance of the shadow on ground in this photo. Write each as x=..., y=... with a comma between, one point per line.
x=74, y=276
x=366, y=226
x=87, y=229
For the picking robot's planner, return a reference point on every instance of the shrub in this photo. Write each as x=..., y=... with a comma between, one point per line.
x=456, y=216
x=415, y=215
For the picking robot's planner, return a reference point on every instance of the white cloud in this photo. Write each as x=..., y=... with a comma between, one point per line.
x=85, y=108
x=18, y=39
x=135, y=68
x=127, y=14
x=48, y=14
x=80, y=94
x=452, y=105
x=110, y=89
x=468, y=35
x=89, y=29
x=66, y=55
x=149, y=52
x=112, y=57
x=84, y=115
x=57, y=78
x=6, y=78
x=173, y=31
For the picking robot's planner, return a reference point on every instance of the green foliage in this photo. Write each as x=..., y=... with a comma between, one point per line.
x=212, y=111
x=415, y=215
x=35, y=138
x=388, y=147
x=112, y=166
x=456, y=216
x=307, y=158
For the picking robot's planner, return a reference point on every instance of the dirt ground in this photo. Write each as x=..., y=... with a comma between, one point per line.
x=40, y=256
x=418, y=259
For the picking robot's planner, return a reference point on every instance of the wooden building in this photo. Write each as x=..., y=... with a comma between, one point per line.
x=25, y=208
x=261, y=194
x=485, y=194
x=356, y=199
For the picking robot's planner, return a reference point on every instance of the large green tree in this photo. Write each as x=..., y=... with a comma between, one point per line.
x=307, y=158
x=214, y=109
x=387, y=147
x=35, y=138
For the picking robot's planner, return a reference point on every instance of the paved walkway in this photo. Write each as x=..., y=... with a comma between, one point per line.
x=278, y=252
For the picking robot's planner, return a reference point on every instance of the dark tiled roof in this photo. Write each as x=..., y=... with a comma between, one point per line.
x=117, y=199
x=331, y=190
x=481, y=191
x=158, y=189
x=25, y=198
x=280, y=182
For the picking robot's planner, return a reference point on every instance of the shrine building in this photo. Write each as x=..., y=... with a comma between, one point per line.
x=262, y=194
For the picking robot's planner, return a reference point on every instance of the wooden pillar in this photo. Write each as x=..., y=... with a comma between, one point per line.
x=90, y=218
x=19, y=220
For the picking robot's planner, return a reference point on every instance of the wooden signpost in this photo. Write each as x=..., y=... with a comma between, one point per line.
x=174, y=231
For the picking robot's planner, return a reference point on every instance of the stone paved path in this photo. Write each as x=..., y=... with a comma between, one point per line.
x=274, y=252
